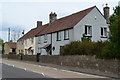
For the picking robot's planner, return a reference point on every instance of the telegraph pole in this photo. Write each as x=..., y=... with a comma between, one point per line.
x=8, y=34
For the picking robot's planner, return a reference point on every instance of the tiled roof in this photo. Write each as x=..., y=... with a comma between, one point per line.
x=11, y=44
x=66, y=22
x=32, y=32
x=59, y=24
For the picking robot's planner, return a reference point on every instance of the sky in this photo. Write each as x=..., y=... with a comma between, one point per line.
x=19, y=15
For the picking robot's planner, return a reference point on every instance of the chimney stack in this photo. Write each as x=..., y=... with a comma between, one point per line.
x=106, y=10
x=52, y=17
x=39, y=23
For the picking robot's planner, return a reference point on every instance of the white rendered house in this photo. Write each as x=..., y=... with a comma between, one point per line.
x=88, y=23
x=47, y=39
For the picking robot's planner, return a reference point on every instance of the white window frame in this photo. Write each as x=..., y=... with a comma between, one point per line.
x=32, y=40
x=88, y=32
x=58, y=36
x=26, y=42
x=45, y=38
x=66, y=34
x=39, y=40
x=104, y=32
x=39, y=50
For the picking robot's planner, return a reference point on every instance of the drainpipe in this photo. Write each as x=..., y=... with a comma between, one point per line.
x=51, y=43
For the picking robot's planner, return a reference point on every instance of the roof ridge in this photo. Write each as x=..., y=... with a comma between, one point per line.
x=77, y=12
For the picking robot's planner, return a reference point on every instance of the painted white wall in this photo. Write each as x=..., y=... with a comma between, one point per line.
x=42, y=43
x=57, y=44
x=96, y=24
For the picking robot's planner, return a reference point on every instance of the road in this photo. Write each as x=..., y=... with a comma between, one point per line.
x=13, y=72
x=45, y=71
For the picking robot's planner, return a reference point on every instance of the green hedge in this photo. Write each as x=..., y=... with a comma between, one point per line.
x=104, y=50
x=82, y=48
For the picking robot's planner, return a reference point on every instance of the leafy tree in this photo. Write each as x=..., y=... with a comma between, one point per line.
x=112, y=50
x=115, y=32
x=1, y=41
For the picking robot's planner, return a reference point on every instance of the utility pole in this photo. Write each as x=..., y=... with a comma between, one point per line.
x=8, y=34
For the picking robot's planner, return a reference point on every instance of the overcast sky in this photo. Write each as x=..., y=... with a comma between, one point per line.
x=22, y=15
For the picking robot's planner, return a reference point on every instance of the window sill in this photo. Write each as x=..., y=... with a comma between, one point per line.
x=58, y=40
x=45, y=42
x=103, y=36
x=87, y=36
x=66, y=39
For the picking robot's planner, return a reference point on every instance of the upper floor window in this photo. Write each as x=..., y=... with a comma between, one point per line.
x=26, y=42
x=88, y=30
x=66, y=34
x=58, y=36
x=22, y=42
x=39, y=39
x=45, y=38
x=32, y=40
x=103, y=32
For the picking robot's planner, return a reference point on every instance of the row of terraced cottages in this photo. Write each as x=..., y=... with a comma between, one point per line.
x=48, y=38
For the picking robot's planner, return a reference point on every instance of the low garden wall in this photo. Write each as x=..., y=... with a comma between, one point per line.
x=84, y=62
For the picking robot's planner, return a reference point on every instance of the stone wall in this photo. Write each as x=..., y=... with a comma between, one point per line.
x=83, y=62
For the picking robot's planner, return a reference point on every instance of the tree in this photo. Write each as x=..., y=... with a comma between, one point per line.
x=115, y=31
x=112, y=50
x=1, y=41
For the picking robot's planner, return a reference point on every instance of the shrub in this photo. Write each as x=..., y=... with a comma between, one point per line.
x=21, y=53
x=109, y=52
x=82, y=48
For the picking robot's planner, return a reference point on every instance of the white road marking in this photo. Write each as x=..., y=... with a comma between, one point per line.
x=25, y=69
x=39, y=66
x=13, y=65
x=43, y=74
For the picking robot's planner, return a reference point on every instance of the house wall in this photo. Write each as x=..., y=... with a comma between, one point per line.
x=20, y=47
x=62, y=42
x=24, y=46
x=42, y=43
x=55, y=43
x=29, y=44
x=96, y=24
x=6, y=49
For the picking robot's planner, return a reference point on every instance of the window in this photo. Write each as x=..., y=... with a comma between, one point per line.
x=39, y=50
x=26, y=42
x=22, y=42
x=32, y=40
x=66, y=34
x=88, y=30
x=39, y=39
x=58, y=36
x=103, y=32
x=45, y=38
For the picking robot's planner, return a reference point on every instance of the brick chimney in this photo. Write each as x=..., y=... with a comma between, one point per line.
x=39, y=23
x=106, y=10
x=52, y=17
